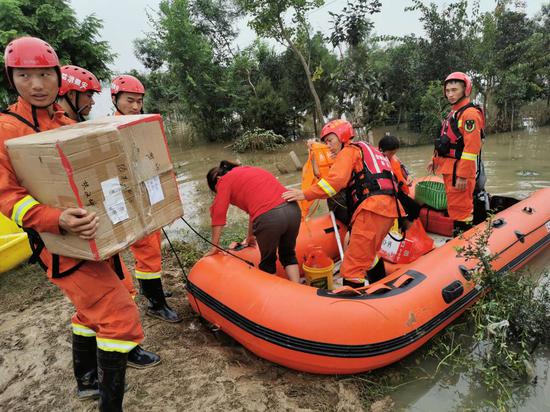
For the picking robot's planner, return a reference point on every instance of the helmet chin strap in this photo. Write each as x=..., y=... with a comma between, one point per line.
x=35, y=116
x=74, y=107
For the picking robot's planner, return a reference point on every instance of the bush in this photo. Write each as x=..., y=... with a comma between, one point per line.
x=258, y=139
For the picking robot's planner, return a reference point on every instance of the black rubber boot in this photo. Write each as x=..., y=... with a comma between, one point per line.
x=140, y=358
x=377, y=272
x=167, y=294
x=352, y=284
x=85, y=366
x=460, y=227
x=158, y=308
x=111, y=372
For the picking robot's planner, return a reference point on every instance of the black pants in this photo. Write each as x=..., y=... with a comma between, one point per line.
x=277, y=229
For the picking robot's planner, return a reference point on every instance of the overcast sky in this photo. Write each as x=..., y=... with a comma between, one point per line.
x=126, y=20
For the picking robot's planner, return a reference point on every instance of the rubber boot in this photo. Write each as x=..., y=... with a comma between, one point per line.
x=85, y=366
x=111, y=372
x=377, y=272
x=158, y=308
x=167, y=294
x=352, y=284
x=460, y=227
x=140, y=358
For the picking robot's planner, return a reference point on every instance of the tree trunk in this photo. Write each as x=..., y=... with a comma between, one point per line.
x=512, y=120
x=318, y=109
x=399, y=117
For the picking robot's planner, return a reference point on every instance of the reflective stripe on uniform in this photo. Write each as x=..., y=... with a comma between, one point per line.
x=376, y=259
x=21, y=208
x=147, y=275
x=82, y=330
x=469, y=156
x=327, y=188
x=115, y=345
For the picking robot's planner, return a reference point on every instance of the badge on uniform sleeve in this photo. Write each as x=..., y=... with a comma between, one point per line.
x=470, y=125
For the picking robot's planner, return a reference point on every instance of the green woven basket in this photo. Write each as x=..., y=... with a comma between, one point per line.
x=432, y=194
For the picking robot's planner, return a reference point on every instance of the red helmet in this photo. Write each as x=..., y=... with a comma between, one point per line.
x=126, y=83
x=460, y=77
x=341, y=128
x=79, y=79
x=29, y=53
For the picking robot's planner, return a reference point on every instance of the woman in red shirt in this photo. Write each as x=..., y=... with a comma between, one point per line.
x=273, y=224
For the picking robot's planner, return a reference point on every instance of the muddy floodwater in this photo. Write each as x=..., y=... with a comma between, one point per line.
x=516, y=165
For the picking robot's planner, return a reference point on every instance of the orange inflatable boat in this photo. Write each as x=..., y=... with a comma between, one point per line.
x=320, y=331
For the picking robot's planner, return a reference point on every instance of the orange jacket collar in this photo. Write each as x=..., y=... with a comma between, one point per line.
x=461, y=103
x=24, y=108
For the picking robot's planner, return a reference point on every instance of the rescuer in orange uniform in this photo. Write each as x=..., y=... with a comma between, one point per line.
x=127, y=94
x=76, y=94
x=106, y=325
x=457, y=149
x=78, y=86
x=366, y=175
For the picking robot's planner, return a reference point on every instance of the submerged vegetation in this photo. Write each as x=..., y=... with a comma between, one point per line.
x=258, y=139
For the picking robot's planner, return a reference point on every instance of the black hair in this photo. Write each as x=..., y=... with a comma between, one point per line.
x=218, y=171
x=388, y=142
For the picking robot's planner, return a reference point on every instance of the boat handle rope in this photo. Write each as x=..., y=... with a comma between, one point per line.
x=216, y=246
x=176, y=255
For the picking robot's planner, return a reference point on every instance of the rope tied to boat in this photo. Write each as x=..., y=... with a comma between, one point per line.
x=216, y=246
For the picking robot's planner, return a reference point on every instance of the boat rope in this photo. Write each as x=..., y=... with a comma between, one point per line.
x=176, y=255
x=216, y=246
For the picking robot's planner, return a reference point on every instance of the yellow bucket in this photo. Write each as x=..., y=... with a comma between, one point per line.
x=7, y=226
x=14, y=249
x=319, y=277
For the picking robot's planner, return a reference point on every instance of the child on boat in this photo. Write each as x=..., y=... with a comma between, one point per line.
x=389, y=145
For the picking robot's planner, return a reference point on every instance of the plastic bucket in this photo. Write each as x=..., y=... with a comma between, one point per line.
x=319, y=277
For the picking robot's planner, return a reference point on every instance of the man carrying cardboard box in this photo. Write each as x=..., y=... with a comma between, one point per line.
x=106, y=325
x=127, y=94
x=76, y=98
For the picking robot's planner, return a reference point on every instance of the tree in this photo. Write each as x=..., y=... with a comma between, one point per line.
x=268, y=20
x=446, y=47
x=194, y=64
x=55, y=22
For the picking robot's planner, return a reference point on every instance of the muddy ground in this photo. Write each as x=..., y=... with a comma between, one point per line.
x=201, y=369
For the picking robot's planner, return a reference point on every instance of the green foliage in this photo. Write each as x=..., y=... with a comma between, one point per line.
x=55, y=21
x=432, y=108
x=188, y=253
x=351, y=26
x=508, y=323
x=267, y=109
x=258, y=139
x=199, y=77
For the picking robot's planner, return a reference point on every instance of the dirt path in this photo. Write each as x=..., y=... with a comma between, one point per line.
x=201, y=370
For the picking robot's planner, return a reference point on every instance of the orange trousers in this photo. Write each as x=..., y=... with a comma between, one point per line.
x=147, y=253
x=367, y=233
x=104, y=308
x=460, y=205
x=128, y=282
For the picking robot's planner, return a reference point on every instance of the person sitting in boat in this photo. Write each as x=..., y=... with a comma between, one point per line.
x=366, y=175
x=273, y=224
x=389, y=145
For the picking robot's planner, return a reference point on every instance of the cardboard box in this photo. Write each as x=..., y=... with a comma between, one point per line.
x=118, y=167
